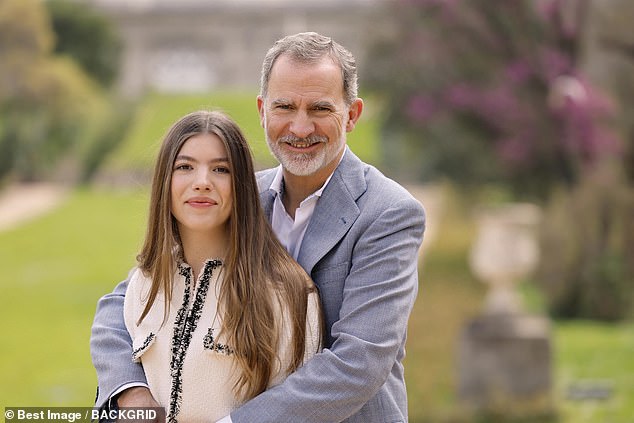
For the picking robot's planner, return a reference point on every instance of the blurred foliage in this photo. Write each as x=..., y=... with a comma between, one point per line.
x=43, y=98
x=51, y=112
x=490, y=91
x=587, y=266
x=88, y=37
x=108, y=132
x=499, y=92
x=614, y=44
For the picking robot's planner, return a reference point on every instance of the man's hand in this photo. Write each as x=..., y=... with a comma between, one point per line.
x=139, y=397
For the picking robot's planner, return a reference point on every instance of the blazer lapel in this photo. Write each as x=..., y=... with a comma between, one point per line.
x=265, y=179
x=335, y=212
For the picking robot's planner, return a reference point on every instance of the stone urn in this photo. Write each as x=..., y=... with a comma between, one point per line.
x=504, y=354
x=505, y=251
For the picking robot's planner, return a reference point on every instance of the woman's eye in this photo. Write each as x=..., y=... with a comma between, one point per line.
x=222, y=169
x=183, y=166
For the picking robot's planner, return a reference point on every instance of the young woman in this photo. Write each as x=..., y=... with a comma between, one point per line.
x=217, y=309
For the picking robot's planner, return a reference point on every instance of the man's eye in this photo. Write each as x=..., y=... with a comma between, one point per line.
x=283, y=107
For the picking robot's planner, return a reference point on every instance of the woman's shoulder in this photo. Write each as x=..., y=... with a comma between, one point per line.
x=138, y=293
x=137, y=282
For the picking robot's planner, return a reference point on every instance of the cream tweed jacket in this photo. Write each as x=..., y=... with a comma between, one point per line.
x=189, y=368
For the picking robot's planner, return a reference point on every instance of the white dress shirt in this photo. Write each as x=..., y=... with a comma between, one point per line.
x=291, y=231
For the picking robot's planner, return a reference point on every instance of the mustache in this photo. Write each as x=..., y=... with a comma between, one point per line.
x=311, y=139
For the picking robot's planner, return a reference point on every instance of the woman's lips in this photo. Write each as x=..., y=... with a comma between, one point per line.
x=201, y=202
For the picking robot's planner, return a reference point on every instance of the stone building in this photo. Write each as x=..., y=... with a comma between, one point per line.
x=202, y=45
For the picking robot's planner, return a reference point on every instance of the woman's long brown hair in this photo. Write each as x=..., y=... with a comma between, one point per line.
x=257, y=270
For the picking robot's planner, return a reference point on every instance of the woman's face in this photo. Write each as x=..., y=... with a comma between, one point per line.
x=201, y=190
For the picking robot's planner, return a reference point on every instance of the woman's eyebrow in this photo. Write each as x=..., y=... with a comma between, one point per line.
x=187, y=158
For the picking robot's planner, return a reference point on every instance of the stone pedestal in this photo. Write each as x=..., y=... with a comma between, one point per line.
x=504, y=362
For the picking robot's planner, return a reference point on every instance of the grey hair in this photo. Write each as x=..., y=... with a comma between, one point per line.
x=309, y=47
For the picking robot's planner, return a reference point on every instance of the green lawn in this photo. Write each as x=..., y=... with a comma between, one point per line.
x=54, y=270
x=157, y=113
x=584, y=352
x=595, y=355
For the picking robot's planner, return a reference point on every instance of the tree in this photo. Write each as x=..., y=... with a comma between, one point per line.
x=88, y=37
x=45, y=101
x=497, y=91
x=491, y=91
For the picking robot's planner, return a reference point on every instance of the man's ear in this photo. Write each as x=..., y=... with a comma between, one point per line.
x=261, y=110
x=354, y=113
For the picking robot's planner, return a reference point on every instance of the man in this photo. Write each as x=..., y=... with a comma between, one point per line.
x=354, y=231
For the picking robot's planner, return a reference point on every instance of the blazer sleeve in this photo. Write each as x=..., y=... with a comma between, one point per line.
x=378, y=296
x=111, y=346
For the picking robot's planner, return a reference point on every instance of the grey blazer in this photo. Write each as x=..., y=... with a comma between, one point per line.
x=361, y=249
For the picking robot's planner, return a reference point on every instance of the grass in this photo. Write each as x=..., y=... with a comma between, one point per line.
x=584, y=352
x=448, y=296
x=157, y=112
x=55, y=269
x=53, y=272
x=596, y=356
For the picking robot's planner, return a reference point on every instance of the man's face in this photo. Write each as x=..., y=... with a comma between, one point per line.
x=305, y=117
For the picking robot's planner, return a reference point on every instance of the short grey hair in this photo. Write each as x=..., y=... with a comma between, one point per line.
x=309, y=47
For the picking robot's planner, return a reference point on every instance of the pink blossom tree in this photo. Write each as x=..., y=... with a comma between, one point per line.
x=498, y=92
x=491, y=91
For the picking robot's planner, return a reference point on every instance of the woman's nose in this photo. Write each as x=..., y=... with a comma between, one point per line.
x=202, y=182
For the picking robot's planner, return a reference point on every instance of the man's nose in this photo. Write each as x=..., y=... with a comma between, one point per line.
x=302, y=125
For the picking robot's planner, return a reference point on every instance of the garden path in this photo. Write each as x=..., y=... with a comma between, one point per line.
x=20, y=203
